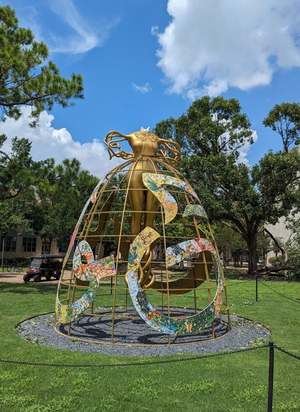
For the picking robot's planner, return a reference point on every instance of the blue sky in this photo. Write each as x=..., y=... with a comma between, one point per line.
x=145, y=60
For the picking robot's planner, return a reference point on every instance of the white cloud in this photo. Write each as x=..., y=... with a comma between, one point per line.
x=57, y=143
x=210, y=46
x=67, y=31
x=84, y=38
x=244, y=150
x=154, y=30
x=143, y=88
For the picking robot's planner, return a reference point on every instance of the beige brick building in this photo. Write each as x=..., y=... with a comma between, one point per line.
x=22, y=245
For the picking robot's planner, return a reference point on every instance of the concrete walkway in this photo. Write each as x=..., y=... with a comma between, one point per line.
x=17, y=277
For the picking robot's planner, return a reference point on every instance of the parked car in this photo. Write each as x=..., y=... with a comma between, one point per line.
x=46, y=266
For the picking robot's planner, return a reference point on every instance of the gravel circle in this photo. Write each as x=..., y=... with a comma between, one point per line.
x=41, y=330
x=129, y=328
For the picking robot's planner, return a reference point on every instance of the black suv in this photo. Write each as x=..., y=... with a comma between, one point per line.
x=43, y=266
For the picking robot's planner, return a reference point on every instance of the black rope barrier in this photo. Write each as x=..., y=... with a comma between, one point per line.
x=293, y=355
x=271, y=376
x=113, y=365
x=162, y=361
x=294, y=300
x=270, y=345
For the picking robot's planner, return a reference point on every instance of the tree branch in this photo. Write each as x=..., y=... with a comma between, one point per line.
x=24, y=102
x=283, y=252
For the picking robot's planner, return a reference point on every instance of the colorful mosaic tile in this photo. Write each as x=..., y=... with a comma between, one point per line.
x=187, y=250
x=155, y=182
x=153, y=317
x=92, y=271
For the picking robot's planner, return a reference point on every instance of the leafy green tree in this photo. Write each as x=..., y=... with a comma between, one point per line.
x=246, y=198
x=62, y=193
x=15, y=169
x=229, y=241
x=210, y=133
x=27, y=78
x=12, y=216
x=17, y=185
x=210, y=126
x=284, y=119
x=52, y=203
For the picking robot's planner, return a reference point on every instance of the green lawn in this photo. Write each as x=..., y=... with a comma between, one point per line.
x=236, y=382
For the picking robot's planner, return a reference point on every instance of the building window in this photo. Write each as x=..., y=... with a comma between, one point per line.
x=46, y=246
x=62, y=245
x=29, y=244
x=9, y=243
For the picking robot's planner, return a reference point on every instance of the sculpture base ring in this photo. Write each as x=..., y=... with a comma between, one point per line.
x=132, y=337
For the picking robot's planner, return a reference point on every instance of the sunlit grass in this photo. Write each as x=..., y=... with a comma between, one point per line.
x=236, y=382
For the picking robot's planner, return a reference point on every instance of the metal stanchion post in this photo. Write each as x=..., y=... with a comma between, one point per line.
x=256, y=288
x=271, y=377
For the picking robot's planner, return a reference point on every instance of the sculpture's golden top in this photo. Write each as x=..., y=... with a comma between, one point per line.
x=144, y=144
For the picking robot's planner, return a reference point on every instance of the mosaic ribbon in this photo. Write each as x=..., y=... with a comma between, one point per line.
x=64, y=313
x=153, y=317
x=155, y=182
x=91, y=268
x=174, y=254
x=68, y=313
x=187, y=250
x=92, y=271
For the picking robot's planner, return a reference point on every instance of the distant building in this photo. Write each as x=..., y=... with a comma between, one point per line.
x=282, y=234
x=20, y=246
x=280, y=231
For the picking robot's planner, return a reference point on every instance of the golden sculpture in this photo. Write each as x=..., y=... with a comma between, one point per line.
x=124, y=210
x=146, y=148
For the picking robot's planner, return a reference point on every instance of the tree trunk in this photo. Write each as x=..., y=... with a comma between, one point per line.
x=252, y=250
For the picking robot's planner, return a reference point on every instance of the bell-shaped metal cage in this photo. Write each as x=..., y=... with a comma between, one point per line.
x=159, y=263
